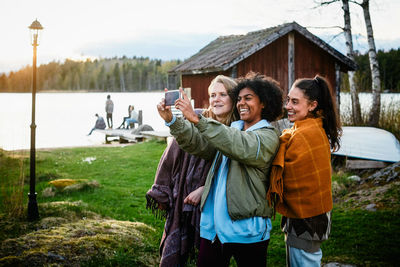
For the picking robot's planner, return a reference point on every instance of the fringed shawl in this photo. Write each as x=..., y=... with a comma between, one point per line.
x=300, y=185
x=178, y=174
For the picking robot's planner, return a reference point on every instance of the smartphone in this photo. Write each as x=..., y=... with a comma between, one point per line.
x=171, y=97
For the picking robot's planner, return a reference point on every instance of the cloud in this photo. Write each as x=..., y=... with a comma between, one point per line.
x=161, y=46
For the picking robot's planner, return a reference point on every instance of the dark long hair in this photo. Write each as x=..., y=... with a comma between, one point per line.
x=319, y=89
x=267, y=89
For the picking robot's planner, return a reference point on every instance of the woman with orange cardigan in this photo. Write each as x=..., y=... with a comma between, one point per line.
x=301, y=173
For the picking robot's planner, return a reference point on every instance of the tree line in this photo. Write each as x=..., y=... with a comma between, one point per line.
x=389, y=69
x=144, y=74
x=106, y=74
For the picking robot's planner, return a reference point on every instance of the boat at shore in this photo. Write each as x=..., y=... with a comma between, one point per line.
x=369, y=143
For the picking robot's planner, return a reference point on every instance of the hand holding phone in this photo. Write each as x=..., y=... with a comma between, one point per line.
x=171, y=97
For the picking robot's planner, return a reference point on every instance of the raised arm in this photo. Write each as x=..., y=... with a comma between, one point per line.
x=190, y=139
x=187, y=136
x=253, y=148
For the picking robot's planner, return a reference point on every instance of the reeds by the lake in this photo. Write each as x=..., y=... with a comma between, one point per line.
x=389, y=117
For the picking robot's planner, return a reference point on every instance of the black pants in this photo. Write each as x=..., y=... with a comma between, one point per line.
x=217, y=254
x=109, y=118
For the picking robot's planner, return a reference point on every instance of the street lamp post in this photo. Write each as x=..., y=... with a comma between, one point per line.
x=33, y=212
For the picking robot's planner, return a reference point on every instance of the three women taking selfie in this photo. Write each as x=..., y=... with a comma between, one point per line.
x=235, y=207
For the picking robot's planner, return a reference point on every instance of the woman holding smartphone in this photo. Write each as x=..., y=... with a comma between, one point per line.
x=179, y=183
x=235, y=216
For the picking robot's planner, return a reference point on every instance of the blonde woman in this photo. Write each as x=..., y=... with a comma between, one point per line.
x=179, y=183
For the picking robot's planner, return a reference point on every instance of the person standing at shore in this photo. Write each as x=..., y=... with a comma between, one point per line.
x=300, y=185
x=109, y=111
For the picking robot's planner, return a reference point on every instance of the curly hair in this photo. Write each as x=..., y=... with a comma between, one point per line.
x=267, y=90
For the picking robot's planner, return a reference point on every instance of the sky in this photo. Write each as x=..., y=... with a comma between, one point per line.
x=172, y=29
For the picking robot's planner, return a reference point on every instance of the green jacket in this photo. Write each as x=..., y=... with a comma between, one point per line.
x=251, y=154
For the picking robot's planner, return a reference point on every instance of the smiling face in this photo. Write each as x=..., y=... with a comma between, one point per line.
x=249, y=107
x=298, y=106
x=220, y=101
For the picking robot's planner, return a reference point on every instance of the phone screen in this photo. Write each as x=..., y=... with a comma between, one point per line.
x=171, y=97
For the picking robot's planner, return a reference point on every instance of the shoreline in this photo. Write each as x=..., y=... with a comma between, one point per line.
x=113, y=144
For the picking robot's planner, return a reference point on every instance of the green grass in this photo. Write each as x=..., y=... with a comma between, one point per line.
x=364, y=238
x=126, y=173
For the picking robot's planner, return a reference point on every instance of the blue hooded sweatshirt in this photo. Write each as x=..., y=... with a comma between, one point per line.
x=215, y=220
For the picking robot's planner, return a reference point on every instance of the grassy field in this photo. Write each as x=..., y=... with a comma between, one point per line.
x=103, y=220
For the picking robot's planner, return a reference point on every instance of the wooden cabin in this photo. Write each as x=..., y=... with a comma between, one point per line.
x=285, y=53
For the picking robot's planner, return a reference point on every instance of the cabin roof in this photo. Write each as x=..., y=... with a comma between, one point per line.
x=226, y=51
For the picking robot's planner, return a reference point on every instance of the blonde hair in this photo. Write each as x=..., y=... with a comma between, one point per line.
x=229, y=83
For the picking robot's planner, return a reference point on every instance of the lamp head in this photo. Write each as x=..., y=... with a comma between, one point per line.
x=35, y=29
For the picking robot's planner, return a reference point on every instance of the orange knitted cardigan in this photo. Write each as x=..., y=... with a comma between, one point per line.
x=300, y=184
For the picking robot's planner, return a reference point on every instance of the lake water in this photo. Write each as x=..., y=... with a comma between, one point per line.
x=64, y=119
x=387, y=99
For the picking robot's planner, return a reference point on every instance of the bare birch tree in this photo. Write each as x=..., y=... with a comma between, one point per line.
x=355, y=103
x=373, y=62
